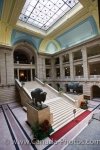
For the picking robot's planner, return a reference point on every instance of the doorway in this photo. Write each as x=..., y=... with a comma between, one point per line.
x=24, y=75
x=95, y=91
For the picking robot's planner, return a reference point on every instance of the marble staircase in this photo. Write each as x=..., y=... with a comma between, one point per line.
x=62, y=112
x=34, y=84
x=61, y=108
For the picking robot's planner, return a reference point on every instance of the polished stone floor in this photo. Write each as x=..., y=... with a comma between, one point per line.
x=14, y=131
x=89, y=138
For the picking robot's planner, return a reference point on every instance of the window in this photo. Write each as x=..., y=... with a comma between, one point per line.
x=48, y=72
x=21, y=57
x=77, y=55
x=47, y=61
x=94, y=68
x=67, y=71
x=57, y=72
x=65, y=58
x=79, y=70
x=57, y=61
x=93, y=51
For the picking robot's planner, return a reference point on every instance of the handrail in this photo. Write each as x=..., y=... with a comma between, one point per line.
x=48, y=86
x=64, y=95
x=70, y=98
x=51, y=88
x=39, y=81
x=24, y=89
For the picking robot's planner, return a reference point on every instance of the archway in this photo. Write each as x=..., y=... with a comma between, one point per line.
x=95, y=91
x=21, y=57
x=25, y=61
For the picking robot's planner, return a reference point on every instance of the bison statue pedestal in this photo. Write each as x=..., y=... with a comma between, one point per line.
x=35, y=116
x=37, y=112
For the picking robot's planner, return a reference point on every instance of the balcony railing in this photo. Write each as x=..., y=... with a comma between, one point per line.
x=79, y=77
x=94, y=76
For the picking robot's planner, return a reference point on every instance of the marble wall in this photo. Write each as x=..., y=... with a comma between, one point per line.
x=87, y=80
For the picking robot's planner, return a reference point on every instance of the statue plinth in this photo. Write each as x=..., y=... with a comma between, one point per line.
x=39, y=106
x=38, y=116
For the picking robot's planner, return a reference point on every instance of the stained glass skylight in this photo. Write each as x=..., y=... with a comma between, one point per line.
x=44, y=13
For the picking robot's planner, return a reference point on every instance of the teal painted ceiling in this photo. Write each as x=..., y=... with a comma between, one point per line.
x=51, y=48
x=81, y=32
x=18, y=36
x=1, y=6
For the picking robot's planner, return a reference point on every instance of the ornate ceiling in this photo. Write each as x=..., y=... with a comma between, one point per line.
x=43, y=14
x=58, y=35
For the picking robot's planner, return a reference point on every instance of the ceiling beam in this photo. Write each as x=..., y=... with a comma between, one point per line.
x=11, y=11
x=15, y=12
x=6, y=10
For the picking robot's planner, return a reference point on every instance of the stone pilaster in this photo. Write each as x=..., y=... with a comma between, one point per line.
x=53, y=75
x=61, y=67
x=71, y=66
x=18, y=74
x=41, y=68
x=31, y=75
x=6, y=65
x=85, y=62
x=3, y=73
x=9, y=67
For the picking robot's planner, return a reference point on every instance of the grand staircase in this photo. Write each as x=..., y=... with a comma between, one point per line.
x=34, y=84
x=62, y=112
x=61, y=107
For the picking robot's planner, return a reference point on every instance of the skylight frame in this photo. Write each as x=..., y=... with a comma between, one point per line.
x=28, y=14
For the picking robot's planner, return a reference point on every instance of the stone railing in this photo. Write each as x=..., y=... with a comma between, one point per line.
x=94, y=76
x=65, y=96
x=24, y=93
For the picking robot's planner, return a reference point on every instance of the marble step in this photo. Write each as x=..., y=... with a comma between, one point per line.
x=62, y=123
x=61, y=108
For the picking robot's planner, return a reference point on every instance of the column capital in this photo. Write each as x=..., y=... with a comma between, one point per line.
x=70, y=53
x=83, y=48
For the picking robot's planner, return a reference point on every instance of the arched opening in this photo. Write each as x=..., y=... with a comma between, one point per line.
x=25, y=59
x=21, y=57
x=95, y=91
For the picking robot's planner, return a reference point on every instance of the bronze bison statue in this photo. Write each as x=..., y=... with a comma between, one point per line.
x=38, y=96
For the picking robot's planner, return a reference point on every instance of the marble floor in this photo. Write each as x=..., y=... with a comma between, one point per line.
x=15, y=134
x=89, y=138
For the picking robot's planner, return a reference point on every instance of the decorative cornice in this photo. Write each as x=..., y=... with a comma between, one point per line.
x=6, y=47
x=78, y=46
